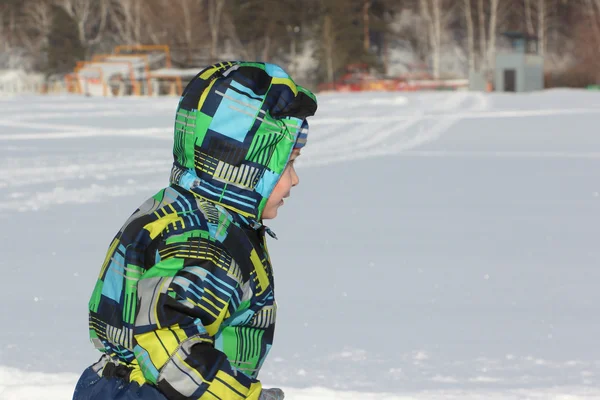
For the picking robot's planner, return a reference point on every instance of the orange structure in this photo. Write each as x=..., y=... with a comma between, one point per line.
x=100, y=79
x=143, y=65
x=130, y=68
x=144, y=48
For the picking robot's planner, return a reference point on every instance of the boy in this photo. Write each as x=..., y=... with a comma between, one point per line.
x=184, y=306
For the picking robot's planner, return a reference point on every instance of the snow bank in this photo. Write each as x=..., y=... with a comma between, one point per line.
x=14, y=81
x=20, y=385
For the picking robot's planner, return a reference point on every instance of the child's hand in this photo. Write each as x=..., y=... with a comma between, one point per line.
x=271, y=394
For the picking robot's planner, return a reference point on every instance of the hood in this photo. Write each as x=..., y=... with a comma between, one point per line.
x=236, y=126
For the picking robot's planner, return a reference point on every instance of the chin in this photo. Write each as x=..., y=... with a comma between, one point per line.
x=269, y=214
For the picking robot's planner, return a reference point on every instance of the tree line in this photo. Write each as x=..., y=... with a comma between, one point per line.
x=317, y=38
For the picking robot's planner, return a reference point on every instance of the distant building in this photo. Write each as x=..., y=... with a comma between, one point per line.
x=520, y=67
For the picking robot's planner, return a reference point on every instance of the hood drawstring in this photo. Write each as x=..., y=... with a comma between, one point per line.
x=258, y=226
x=271, y=233
x=241, y=220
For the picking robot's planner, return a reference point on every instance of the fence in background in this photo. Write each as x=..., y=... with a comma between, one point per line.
x=14, y=82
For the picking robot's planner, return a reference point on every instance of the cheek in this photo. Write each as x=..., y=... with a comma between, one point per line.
x=286, y=182
x=283, y=186
x=278, y=190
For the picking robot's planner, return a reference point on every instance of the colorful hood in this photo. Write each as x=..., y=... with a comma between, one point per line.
x=236, y=126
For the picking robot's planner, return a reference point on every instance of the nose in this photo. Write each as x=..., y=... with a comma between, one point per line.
x=295, y=179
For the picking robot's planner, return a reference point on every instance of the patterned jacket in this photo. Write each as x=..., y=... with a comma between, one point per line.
x=185, y=296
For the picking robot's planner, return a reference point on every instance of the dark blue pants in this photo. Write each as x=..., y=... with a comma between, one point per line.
x=94, y=387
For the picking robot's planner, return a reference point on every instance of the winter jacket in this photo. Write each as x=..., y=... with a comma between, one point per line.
x=185, y=296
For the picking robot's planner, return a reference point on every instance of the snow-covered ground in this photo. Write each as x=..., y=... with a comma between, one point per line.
x=439, y=246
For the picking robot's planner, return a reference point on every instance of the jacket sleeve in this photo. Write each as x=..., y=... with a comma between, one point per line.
x=183, y=300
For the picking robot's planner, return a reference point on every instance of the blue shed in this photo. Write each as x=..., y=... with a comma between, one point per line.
x=519, y=67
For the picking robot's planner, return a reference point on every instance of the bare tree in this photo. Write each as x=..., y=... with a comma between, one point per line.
x=366, y=31
x=89, y=16
x=542, y=26
x=190, y=11
x=344, y=31
x=128, y=20
x=328, y=45
x=528, y=17
x=593, y=10
x=492, y=35
x=267, y=39
x=181, y=24
x=470, y=34
x=436, y=14
x=339, y=32
x=542, y=18
x=482, y=38
x=491, y=15
x=232, y=33
x=433, y=41
x=4, y=42
x=536, y=14
x=38, y=21
x=215, y=11
x=555, y=24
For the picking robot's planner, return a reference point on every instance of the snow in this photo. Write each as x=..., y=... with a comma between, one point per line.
x=18, y=81
x=35, y=386
x=19, y=385
x=439, y=245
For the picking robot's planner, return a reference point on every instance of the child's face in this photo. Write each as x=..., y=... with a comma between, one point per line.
x=288, y=180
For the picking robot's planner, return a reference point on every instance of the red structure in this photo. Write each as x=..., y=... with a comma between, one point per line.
x=358, y=78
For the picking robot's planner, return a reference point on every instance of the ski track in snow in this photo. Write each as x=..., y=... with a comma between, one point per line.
x=391, y=125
